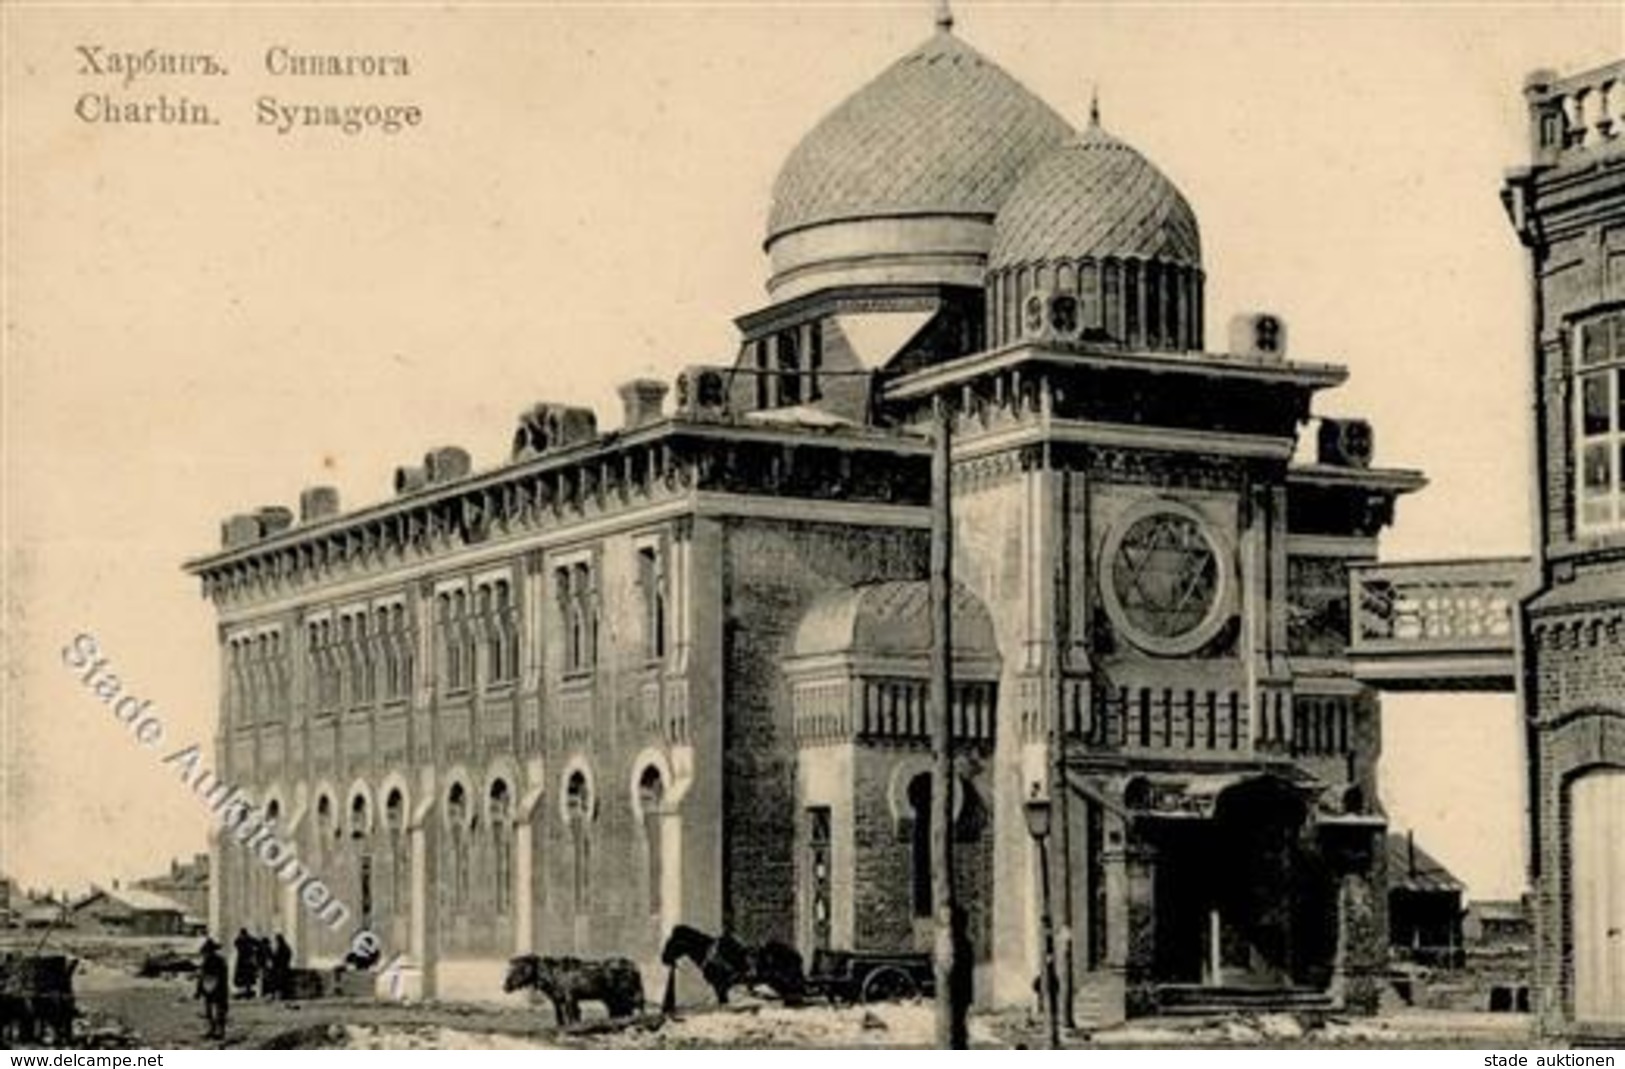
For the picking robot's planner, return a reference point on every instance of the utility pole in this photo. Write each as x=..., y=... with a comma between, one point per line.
x=1060, y=789
x=951, y=1032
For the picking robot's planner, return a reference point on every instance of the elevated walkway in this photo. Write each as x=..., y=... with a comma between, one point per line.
x=1445, y=625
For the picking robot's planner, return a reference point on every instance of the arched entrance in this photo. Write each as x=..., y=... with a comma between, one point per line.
x=1597, y=872
x=1242, y=897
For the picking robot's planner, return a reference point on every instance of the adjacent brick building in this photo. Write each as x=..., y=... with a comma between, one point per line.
x=677, y=672
x=1568, y=207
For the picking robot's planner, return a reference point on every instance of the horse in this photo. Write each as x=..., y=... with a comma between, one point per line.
x=725, y=963
x=568, y=982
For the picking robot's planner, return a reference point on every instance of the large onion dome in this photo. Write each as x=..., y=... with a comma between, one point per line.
x=900, y=182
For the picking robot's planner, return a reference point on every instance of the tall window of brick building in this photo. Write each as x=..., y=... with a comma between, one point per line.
x=463, y=606
x=366, y=655
x=578, y=809
x=389, y=661
x=273, y=886
x=406, y=660
x=652, y=585
x=256, y=657
x=395, y=832
x=279, y=676
x=457, y=819
x=578, y=611
x=350, y=667
x=651, y=796
x=501, y=820
x=498, y=624
x=818, y=874
x=506, y=626
x=919, y=800
x=326, y=823
x=359, y=828
x=485, y=615
x=235, y=705
x=1599, y=361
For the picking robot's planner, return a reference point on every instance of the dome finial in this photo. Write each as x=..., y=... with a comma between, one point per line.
x=945, y=16
x=1094, y=105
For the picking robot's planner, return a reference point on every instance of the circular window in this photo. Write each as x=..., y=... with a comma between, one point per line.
x=1163, y=580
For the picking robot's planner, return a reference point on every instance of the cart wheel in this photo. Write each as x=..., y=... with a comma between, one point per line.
x=888, y=984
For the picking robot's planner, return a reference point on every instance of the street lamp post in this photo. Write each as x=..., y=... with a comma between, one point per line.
x=1038, y=826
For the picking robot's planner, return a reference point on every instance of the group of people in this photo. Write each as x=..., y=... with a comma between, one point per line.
x=263, y=966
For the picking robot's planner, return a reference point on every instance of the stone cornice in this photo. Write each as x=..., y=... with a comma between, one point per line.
x=922, y=384
x=566, y=493
x=1393, y=480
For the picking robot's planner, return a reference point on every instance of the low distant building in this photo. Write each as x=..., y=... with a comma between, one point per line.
x=1424, y=905
x=42, y=913
x=1498, y=923
x=130, y=911
x=187, y=882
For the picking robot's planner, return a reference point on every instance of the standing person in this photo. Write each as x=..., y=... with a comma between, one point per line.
x=281, y=967
x=267, y=981
x=212, y=988
x=245, y=974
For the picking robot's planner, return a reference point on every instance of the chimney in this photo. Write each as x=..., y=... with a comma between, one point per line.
x=410, y=479
x=240, y=530
x=274, y=518
x=1410, y=850
x=546, y=426
x=446, y=464
x=643, y=401
x=318, y=503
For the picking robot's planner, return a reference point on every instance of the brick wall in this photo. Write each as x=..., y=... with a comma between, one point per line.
x=773, y=570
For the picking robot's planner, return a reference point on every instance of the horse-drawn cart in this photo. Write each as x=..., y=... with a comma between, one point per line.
x=36, y=998
x=870, y=976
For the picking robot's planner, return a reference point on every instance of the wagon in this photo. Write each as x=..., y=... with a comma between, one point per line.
x=36, y=998
x=870, y=976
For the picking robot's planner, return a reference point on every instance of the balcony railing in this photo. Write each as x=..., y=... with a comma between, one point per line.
x=1578, y=114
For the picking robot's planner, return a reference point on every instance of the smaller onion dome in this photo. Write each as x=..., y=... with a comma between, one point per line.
x=1097, y=221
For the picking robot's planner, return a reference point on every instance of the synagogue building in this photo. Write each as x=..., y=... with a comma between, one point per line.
x=674, y=669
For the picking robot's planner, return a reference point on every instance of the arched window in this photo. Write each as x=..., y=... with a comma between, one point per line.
x=651, y=796
x=403, y=636
x=578, y=811
x=395, y=832
x=500, y=809
x=508, y=625
x=327, y=827
x=358, y=816
x=457, y=818
x=919, y=800
x=273, y=910
x=495, y=659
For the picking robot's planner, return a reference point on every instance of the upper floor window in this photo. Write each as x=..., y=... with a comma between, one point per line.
x=1599, y=446
x=578, y=615
x=652, y=584
x=497, y=620
x=788, y=364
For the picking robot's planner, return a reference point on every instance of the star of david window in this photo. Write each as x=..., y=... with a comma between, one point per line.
x=1163, y=582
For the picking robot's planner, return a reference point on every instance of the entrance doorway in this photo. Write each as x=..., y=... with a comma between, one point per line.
x=1597, y=881
x=1243, y=898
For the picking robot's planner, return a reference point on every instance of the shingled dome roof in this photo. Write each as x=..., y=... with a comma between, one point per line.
x=1095, y=197
x=891, y=619
x=941, y=131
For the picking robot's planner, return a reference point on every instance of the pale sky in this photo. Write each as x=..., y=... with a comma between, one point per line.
x=199, y=321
